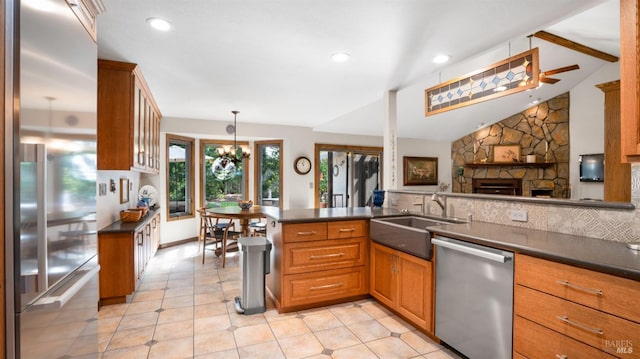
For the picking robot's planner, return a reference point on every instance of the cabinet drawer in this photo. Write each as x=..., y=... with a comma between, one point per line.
x=300, y=289
x=597, y=290
x=600, y=330
x=330, y=254
x=301, y=232
x=531, y=340
x=347, y=229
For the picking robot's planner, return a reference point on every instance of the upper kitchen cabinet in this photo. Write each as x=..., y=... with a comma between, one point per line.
x=128, y=120
x=630, y=80
x=86, y=11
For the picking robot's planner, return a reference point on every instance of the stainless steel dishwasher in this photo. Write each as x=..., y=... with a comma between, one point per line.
x=474, y=298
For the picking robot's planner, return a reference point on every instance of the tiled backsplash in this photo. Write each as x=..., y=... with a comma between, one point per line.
x=604, y=223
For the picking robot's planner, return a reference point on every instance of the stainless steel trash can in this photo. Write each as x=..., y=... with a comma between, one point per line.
x=255, y=263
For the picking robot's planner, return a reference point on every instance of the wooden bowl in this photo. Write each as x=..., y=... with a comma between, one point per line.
x=130, y=216
x=144, y=210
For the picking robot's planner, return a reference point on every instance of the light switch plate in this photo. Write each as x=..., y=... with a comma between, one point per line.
x=102, y=189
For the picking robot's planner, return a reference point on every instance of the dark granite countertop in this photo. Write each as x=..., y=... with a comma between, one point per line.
x=327, y=214
x=591, y=253
x=129, y=227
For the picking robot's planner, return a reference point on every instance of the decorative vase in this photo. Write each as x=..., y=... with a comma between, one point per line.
x=378, y=198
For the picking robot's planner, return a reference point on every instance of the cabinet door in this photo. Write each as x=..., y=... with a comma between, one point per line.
x=157, y=142
x=155, y=224
x=382, y=268
x=415, y=289
x=139, y=255
x=137, y=114
x=630, y=86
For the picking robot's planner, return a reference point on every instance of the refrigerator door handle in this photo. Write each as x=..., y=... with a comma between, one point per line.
x=37, y=153
x=472, y=251
x=43, y=267
x=60, y=300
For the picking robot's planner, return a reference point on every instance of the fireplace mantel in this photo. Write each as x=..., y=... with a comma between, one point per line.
x=509, y=164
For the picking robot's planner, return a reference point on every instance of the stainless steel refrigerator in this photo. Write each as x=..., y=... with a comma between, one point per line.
x=55, y=268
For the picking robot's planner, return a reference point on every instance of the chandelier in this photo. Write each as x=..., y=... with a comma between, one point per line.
x=226, y=165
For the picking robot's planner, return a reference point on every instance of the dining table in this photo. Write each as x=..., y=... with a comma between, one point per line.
x=244, y=216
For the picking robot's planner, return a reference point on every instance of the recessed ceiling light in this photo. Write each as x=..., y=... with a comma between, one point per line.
x=441, y=59
x=500, y=88
x=159, y=24
x=340, y=57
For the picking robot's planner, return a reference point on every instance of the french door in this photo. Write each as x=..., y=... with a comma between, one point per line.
x=346, y=175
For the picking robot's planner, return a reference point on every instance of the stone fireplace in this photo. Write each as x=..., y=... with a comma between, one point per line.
x=505, y=186
x=541, y=131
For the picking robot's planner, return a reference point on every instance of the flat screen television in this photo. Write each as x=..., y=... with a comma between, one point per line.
x=592, y=167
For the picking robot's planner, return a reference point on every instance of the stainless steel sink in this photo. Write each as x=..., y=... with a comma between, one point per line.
x=406, y=233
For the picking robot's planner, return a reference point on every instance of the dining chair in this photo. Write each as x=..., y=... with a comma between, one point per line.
x=217, y=231
x=258, y=229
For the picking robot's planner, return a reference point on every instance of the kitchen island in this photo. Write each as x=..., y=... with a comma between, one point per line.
x=319, y=256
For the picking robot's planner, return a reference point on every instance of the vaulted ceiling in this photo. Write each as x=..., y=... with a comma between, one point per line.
x=271, y=59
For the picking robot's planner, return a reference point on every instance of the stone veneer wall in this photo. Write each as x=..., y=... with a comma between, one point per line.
x=535, y=129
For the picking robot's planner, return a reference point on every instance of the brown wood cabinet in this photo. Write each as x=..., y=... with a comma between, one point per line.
x=123, y=256
x=86, y=11
x=563, y=310
x=318, y=263
x=630, y=80
x=403, y=283
x=128, y=120
x=617, y=175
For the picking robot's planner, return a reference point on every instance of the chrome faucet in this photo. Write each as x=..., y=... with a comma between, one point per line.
x=441, y=201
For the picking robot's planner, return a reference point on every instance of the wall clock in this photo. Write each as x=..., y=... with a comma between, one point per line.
x=302, y=165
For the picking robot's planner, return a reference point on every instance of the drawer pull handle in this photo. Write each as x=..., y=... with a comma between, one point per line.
x=326, y=286
x=347, y=229
x=561, y=356
x=578, y=287
x=327, y=256
x=594, y=330
x=310, y=233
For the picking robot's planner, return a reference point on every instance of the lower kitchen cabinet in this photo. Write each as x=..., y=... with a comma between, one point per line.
x=565, y=311
x=318, y=263
x=403, y=283
x=124, y=250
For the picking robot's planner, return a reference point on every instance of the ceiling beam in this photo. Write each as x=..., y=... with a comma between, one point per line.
x=561, y=41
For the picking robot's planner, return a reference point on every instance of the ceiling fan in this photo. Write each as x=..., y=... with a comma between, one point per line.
x=544, y=75
x=561, y=41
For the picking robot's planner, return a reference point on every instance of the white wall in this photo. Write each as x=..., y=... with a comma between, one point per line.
x=421, y=148
x=586, y=127
x=109, y=205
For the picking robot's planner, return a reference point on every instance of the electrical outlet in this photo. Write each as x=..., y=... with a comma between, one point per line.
x=519, y=215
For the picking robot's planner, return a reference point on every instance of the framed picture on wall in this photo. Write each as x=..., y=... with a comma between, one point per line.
x=419, y=171
x=506, y=153
x=124, y=190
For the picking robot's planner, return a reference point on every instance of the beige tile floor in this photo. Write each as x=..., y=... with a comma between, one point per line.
x=184, y=309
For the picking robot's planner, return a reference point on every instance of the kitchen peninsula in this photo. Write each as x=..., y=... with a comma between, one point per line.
x=323, y=256
x=319, y=256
